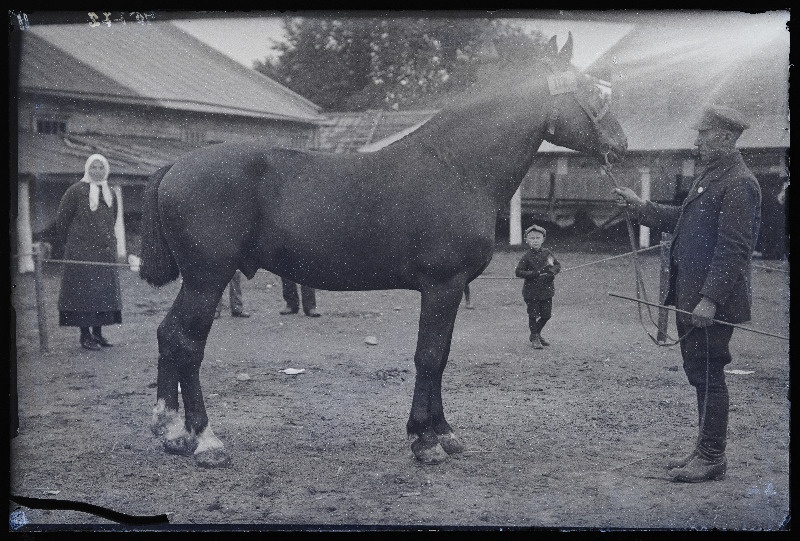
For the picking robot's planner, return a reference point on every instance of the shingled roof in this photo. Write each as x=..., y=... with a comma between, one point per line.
x=349, y=132
x=152, y=64
x=126, y=154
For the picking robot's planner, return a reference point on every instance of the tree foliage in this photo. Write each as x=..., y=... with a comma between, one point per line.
x=360, y=63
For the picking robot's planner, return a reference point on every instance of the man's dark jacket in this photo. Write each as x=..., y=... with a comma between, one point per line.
x=715, y=231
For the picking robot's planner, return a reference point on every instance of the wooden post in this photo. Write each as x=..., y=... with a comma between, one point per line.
x=663, y=313
x=24, y=230
x=687, y=168
x=515, y=218
x=644, y=232
x=41, y=314
x=119, y=226
x=551, y=197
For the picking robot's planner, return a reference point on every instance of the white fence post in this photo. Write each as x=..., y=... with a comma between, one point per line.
x=515, y=218
x=687, y=168
x=24, y=230
x=644, y=232
x=119, y=226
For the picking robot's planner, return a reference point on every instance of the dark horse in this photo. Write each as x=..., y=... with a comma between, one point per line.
x=419, y=214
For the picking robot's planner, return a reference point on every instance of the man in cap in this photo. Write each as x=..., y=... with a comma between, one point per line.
x=309, y=298
x=235, y=297
x=714, y=234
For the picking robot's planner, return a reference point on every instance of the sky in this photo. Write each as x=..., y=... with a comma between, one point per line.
x=249, y=39
x=243, y=39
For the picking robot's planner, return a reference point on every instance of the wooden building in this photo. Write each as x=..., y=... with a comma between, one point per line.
x=660, y=75
x=141, y=95
x=355, y=131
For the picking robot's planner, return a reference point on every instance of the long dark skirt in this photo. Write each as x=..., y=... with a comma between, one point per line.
x=88, y=319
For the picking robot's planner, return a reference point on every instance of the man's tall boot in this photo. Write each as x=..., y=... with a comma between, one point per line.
x=709, y=463
x=682, y=461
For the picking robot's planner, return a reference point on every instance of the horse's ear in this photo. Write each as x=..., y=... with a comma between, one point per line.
x=565, y=54
x=552, y=47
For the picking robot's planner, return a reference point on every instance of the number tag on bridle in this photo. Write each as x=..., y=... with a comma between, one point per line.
x=561, y=83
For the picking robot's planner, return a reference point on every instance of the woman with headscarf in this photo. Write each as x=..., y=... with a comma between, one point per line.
x=90, y=295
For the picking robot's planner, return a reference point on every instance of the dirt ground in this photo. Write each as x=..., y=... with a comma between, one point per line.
x=570, y=437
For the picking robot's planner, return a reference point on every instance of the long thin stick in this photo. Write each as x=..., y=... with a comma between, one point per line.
x=101, y=263
x=578, y=266
x=771, y=268
x=76, y=262
x=689, y=313
x=612, y=257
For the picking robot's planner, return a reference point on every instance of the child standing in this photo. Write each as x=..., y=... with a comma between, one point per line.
x=538, y=267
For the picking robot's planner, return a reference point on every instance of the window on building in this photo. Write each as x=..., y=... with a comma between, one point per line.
x=51, y=126
x=194, y=137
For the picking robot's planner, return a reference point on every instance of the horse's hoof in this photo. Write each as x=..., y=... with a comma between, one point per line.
x=214, y=458
x=158, y=426
x=451, y=444
x=428, y=453
x=162, y=419
x=180, y=446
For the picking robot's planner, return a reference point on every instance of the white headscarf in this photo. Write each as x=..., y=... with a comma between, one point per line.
x=96, y=187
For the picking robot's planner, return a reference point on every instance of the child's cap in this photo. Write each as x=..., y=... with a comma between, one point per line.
x=538, y=228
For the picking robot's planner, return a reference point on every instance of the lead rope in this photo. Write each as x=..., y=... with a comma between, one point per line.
x=641, y=291
x=673, y=341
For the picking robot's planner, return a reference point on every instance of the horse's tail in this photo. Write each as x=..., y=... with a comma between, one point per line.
x=158, y=266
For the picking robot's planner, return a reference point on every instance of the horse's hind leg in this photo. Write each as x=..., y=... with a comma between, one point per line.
x=181, y=344
x=435, y=438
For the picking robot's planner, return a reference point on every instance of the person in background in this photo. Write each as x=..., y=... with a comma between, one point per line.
x=783, y=199
x=783, y=193
x=467, y=299
x=538, y=267
x=715, y=230
x=90, y=295
x=235, y=298
x=292, y=299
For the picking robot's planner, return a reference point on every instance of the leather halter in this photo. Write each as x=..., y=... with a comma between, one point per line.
x=565, y=83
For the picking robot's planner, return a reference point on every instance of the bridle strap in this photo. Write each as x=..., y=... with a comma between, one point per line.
x=551, y=120
x=595, y=118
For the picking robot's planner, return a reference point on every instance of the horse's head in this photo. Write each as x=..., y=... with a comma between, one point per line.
x=579, y=112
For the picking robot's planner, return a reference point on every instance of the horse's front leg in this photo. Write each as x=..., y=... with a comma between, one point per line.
x=181, y=343
x=435, y=438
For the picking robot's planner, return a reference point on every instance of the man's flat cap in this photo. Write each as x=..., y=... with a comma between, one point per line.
x=719, y=116
x=538, y=228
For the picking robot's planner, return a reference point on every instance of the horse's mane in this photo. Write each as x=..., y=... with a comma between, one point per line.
x=505, y=79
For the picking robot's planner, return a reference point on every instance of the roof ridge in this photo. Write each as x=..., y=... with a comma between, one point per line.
x=249, y=71
x=32, y=38
x=158, y=64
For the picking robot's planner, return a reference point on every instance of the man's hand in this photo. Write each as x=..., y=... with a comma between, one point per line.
x=704, y=313
x=627, y=198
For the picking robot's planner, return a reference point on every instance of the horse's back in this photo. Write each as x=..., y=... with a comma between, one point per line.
x=249, y=166
x=365, y=221
x=217, y=165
